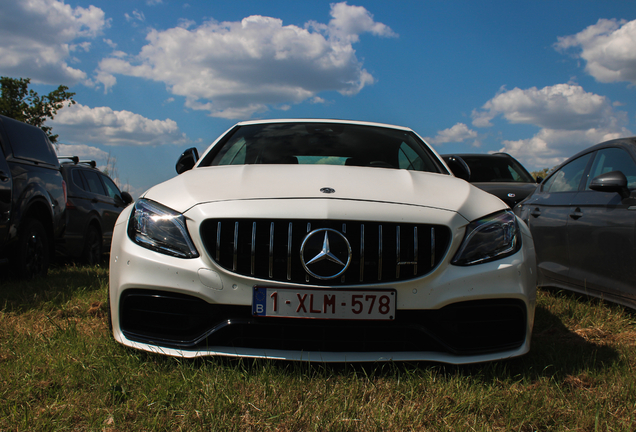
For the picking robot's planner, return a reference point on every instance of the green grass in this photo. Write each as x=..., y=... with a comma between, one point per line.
x=61, y=370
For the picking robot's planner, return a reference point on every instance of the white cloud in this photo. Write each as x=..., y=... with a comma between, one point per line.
x=562, y=106
x=608, y=47
x=38, y=37
x=348, y=22
x=136, y=16
x=83, y=151
x=458, y=133
x=79, y=124
x=237, y=69
x=569, y=120
x=110, y=43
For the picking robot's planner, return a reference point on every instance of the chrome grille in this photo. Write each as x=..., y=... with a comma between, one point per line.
x=270, y=249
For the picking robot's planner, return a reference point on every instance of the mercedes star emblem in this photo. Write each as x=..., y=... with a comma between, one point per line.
x=325, y=253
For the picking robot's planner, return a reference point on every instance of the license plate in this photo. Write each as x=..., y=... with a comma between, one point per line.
x=324, y=303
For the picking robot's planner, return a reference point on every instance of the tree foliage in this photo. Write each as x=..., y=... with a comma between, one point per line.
x=19, y=102
x=541, y=173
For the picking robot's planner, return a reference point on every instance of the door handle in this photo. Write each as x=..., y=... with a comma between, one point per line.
x=536, y=212
x=577, y=213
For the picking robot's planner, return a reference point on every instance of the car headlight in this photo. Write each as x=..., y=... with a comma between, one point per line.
x=160, y=229
x=489, y=238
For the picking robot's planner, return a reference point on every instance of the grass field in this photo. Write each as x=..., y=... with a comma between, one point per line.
x=61, y=370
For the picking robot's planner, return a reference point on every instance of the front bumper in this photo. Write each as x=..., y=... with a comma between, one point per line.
x=191, y=308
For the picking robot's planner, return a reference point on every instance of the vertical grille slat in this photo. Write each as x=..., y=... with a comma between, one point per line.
x=235, y=252
x=270, y=249
x=289, y=251
x=380, y=261
x=362, y=262
x=218, y=242
x=415, y=250
x=398, y=252
x=253, y=250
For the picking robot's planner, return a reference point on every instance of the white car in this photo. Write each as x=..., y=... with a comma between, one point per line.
x=322, y=240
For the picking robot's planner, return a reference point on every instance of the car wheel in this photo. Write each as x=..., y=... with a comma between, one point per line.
x=33, y=250
x=92, y=253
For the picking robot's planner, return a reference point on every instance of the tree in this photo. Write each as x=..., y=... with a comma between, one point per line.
x=541, y=173
x=20, y=103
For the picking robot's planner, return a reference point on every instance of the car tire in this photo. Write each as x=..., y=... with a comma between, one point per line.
x=92, y=253
x=33, y=254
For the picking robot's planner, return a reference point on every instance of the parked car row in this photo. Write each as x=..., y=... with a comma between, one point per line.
x=47, y=207
x=374, y=252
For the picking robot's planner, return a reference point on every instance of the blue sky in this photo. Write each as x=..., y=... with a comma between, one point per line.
x=538, y=79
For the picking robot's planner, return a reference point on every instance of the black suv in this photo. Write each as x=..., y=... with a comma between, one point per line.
x=498, y=173
x=92, y=207
x=32, y=198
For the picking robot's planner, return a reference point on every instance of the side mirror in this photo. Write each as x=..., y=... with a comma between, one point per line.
x=126, y=197
x=187, y=160
x=458, y=166
x=539, y=179
x=613, y=181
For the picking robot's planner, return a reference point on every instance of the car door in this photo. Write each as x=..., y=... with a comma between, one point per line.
x=113, y=205
x=601, y=230
x=6, y=186
x=549, y=210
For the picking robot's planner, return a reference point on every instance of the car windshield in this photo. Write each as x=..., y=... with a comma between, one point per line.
x=323, y=143
x=496, y=169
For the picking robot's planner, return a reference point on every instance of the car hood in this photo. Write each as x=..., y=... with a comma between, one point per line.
x=507, y=187
x=257, y=182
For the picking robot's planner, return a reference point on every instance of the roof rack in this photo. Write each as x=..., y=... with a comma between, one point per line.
x=92, y=163
x=74, y=159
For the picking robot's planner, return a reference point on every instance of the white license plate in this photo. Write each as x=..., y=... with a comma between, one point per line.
x=324, y=303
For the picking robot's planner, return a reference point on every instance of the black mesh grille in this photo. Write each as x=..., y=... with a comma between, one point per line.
x=270, y=249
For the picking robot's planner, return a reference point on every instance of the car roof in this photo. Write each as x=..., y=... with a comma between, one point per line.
x=479, y=155
x=628, y=142
x=350, y=122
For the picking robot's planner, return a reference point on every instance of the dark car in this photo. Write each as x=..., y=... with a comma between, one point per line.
x=583, y=219
x=32, y=198
x=92, y=207
x=499, y=174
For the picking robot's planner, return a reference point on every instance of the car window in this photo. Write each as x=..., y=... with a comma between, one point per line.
x=328, y=143
x=93, y=182
x=234, y=153
x=613, y=159
x=409, y=159
x=111, y=188
x=78, y=179
x=496, y=169
x=568, y=178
